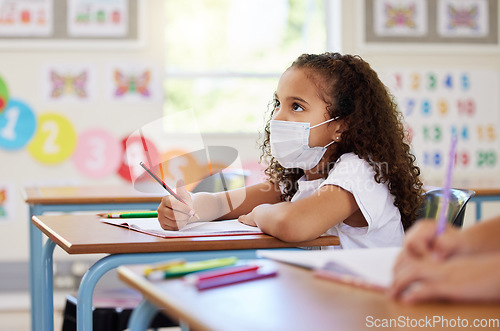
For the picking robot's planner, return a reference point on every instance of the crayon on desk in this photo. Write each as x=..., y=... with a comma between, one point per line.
x=142, y=214
x=203, y=275
x=162, y=266
x=187, y=268
x=236, y=278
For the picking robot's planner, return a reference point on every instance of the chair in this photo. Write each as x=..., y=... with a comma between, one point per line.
x=112, y=316
x=222, y=181
x=433, y=202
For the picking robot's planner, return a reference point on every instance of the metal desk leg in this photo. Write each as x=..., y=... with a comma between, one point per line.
x=47, y=296
x=96, y=271
x=35, y=271
x=142, y=316
x=36, y=243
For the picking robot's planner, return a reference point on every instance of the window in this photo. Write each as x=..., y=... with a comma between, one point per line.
x=224, y=57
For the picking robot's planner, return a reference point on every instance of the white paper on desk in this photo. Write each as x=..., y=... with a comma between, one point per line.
x=374, y=265
x=199, y=229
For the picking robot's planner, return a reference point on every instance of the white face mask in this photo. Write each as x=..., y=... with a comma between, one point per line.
x=290, y=144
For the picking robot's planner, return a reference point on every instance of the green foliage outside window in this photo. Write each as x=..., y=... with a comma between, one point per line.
x=224, y=57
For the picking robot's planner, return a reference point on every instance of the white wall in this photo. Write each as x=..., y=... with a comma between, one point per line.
x=22, y=71
x=448, y=57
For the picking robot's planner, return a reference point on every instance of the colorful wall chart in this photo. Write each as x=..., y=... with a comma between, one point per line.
x=97, y=18
x=8, y=195
x=26, y=17
x=4, y=94
x=440, y=103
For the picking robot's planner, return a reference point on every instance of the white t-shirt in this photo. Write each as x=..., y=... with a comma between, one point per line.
x=356, y=176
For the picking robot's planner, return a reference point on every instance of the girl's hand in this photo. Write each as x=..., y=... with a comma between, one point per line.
x=172, y=213
x=248, y=219
x=252, y=217
x=460, y=279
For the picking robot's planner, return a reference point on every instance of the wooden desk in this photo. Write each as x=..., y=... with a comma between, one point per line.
x=71, y=199
x=85, y=234
x=294, y=300
x=85, y=195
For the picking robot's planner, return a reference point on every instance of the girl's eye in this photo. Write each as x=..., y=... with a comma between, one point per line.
x=276, y=104
x=297, y=107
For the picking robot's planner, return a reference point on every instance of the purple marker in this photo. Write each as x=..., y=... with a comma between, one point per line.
x=441, y=223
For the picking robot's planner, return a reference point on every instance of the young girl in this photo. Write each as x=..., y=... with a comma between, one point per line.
x=338, y=162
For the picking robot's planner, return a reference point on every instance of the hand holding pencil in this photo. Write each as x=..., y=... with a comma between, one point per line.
x=178, y=206
x=175, y=212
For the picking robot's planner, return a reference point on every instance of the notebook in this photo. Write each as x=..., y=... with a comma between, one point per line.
x=199, y=229
x=370, y=268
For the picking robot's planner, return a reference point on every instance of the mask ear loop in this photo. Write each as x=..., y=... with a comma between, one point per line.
x=331, y=119
x=326, y=146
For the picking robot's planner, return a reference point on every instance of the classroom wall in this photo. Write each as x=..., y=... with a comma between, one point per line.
x=438, y=57
x=22, y=69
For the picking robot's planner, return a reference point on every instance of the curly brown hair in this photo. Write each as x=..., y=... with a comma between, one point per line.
x=375, y=131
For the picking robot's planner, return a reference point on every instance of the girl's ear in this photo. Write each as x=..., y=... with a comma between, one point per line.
x=340, y=127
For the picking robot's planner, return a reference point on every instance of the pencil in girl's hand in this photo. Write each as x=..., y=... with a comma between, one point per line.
x=169, y=190
x=441, y=223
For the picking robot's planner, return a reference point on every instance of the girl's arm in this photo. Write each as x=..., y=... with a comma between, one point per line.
x=174, y=215
x=307, y=218
x=231, y=204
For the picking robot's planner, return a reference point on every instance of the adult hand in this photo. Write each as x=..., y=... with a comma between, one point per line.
x=466, y=278
x=421, y=241
x=174, y=214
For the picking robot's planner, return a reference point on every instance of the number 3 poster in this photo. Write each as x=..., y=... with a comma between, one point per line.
x=437, y=104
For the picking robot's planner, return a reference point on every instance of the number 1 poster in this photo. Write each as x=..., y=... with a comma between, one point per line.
x=437, y=104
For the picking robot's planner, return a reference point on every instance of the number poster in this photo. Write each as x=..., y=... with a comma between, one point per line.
x=437, y=104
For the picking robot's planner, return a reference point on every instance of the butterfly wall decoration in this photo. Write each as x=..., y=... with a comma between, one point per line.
x=132, y=84
x=463, y=17
x=400, y=16
x=67, y=84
